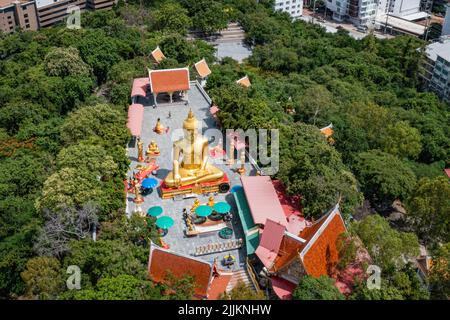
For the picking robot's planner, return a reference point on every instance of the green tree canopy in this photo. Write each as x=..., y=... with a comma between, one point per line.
x=388, y=247
x=383, y=177
x=428, y=209
x=101, y=123
x=322, y=288
x=43, y=277
x=62, y=62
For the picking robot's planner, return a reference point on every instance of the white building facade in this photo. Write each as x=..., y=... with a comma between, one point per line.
x=293, y=7
x=437, y=67
x=365, y=12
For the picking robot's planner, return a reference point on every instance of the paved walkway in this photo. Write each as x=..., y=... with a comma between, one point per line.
x=174, y=208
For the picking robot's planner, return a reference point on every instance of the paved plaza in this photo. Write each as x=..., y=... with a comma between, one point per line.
x=176, y=238
x=236, y=50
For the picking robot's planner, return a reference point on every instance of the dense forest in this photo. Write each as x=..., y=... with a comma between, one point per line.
x=63, y=101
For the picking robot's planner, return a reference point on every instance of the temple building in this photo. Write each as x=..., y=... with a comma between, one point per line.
x=328, y=133
x=288, y=257
x=210, y=282
x=169, y=81
x=203, y=71
x=244, y=81
x=157, y=55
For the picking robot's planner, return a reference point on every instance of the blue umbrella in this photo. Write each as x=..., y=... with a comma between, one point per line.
x=203, y=211
x=236, y=188
x=149, y=183
x=222, y=207
x=154, y=211
x=164, y=222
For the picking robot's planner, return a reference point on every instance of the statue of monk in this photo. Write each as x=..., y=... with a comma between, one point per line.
x=193, y=150
x=159, y=128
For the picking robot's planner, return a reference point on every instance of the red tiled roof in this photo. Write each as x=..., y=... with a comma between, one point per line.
x=282, y=288
x=218, y=286
x=202, y=68
x=289, y=249
x=244, y=81
x=263, y=200
x=290, y=204
x=140, y=86
x=269, y=245
x=163, y=262
x=447, y=171
x=327, y=131
x=320, y=255
x=135, y=117
x=158, y=55
x=318, y=252
x=169, y=80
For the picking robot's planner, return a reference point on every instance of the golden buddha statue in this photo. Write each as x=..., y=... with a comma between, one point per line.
x=211, y=201
x=194, y=167
x=159, y=128
x=195, y=205
x=140, y=150
x=152, y=149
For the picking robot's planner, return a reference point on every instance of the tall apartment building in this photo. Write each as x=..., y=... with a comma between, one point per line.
x=31, y=15
x=436, y=67
x=365, y=12
x=16, y=14
x=359, y=12
x=293, y=7
x=446, y=25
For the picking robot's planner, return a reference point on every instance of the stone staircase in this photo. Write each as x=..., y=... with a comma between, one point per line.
x=233, y=33
x=240, y=275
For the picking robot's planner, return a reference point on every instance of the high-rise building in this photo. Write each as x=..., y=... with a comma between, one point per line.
x=436, y=67
x=293, y=7
x=33, y=14
x=446, y=26
x=16, y=14
x=365, y=12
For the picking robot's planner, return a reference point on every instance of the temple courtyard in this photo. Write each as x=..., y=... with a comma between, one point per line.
x=176, y=238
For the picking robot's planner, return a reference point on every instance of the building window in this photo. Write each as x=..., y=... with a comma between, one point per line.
x=26, y=15
x=27, y=26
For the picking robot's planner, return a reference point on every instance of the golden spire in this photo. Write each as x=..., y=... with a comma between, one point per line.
x=191, y=122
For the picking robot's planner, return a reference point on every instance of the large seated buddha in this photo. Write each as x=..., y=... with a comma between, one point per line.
x=193, y=150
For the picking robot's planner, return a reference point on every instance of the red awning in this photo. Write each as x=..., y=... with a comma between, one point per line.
x=140, y=86
x=282, y=288
x=135, y=117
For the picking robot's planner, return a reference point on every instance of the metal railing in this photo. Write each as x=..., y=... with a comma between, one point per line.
x=252, y=276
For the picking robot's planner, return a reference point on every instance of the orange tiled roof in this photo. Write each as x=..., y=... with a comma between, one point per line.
x=218, y=286
x=245, y=81
x=158, y=55
x=327, y=131
x=289, y=249
x=163, y=262
x=169, y=80
x=318, y=252
x=202, y=68
x=320, y=255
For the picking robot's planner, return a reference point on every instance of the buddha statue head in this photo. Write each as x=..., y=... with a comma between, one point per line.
x=190, y=125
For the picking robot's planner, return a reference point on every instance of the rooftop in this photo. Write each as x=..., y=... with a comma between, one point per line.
x=438, y=48
x=244, y=81
x=263, y=200
x=158, y=55
x=210, y=282
x=169, y=80
x=401, y=24
x=202, y=68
